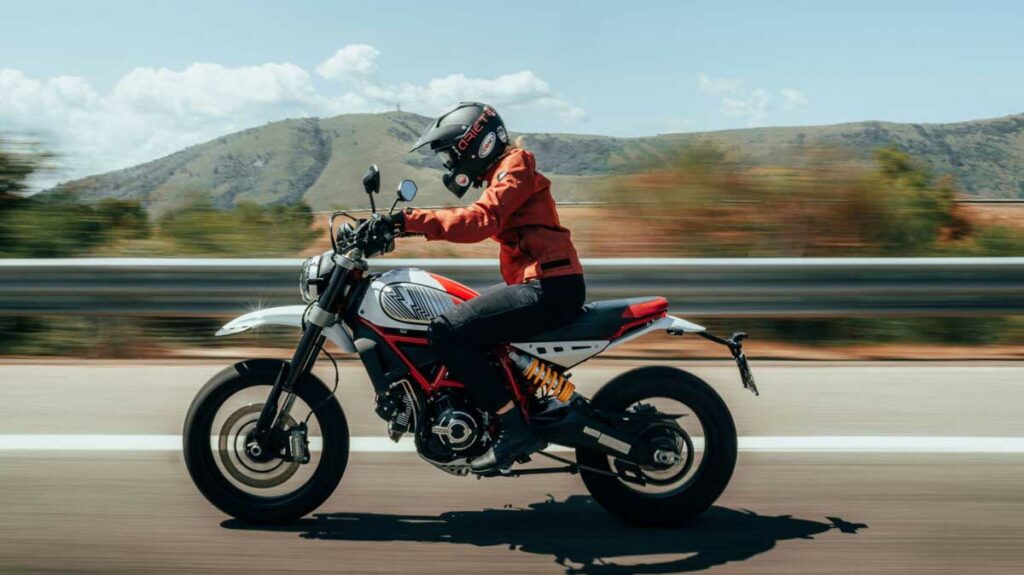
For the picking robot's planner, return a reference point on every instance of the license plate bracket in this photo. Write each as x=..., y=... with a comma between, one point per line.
x=735, y=345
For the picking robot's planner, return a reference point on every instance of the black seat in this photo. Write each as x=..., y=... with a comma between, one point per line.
x=607, y=319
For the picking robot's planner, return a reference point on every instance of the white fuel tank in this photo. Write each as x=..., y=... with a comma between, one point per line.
x=409, y=298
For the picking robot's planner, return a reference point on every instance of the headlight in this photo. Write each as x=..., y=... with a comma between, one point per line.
x=315, y=273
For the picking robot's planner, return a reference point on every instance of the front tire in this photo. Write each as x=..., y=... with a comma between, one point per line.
x=201, y=456
x=711, y=475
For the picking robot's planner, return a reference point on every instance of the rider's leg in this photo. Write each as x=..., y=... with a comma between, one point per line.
x=464, y=336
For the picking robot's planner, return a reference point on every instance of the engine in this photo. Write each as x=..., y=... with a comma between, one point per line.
x=453, y=433
x=449, y=430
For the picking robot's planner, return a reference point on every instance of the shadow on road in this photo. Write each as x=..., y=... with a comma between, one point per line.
x=577, y=534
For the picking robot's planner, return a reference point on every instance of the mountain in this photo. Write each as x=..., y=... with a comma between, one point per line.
x=321, y=161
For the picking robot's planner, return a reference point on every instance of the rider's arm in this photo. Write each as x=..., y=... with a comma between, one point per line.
x=511, y=186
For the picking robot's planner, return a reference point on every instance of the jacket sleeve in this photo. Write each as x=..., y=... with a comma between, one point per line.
x=482, y=219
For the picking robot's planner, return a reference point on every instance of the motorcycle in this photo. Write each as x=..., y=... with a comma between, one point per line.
x=266, y=441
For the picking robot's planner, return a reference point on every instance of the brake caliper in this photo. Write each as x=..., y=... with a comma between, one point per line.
x=298, y=444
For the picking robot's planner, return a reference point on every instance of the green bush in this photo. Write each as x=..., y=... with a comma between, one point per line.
x=249, y=229
x=58, y=225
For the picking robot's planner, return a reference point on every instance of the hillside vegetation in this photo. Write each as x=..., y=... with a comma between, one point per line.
x=320, y=161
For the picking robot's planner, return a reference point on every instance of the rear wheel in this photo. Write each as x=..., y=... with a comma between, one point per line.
x=702, y=439
x=262, y=488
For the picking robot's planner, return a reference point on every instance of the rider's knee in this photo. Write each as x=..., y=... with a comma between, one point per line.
x=440, y=333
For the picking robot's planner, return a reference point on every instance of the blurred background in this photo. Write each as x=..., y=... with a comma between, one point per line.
x=692, y=196
x=844, y=181
x=669, y=131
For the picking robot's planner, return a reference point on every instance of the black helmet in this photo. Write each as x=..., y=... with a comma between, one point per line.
x=470, y=137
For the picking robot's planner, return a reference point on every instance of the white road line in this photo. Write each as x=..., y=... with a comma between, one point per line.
x=369, y=444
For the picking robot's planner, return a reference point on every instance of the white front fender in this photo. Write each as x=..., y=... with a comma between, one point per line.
x=291, y=316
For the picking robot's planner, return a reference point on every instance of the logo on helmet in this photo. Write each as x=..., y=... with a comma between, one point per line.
x=502, y=135
x=475, y=129
x=462, y=180
x=487, y=146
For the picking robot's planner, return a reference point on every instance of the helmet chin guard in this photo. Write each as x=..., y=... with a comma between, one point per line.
x=456, y=183
x=470, y=137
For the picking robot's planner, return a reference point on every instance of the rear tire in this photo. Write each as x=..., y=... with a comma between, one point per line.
x=211, y=481
x=713, y=472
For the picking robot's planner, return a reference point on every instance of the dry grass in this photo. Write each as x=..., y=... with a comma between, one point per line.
x=1005, y=215
x=616, y=231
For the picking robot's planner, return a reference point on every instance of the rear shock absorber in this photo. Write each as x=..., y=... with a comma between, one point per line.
x=550, y=382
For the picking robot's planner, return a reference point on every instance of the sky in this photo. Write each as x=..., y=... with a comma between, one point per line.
x=108, y=84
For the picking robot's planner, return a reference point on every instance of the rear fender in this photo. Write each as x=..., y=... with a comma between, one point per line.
x=291, y=316
x=669, y=323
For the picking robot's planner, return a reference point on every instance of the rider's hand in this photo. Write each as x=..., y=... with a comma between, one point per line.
x=381, y=233
x=395, y=222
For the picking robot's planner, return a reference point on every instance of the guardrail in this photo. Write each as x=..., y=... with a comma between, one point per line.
x=695, y=287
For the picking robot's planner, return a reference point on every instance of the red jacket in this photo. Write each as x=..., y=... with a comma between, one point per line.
x=517, y=211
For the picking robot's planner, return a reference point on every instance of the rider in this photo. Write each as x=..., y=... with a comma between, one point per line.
x=544, y=278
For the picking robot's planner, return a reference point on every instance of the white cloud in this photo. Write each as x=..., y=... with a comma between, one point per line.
x=717, y=86
x=509, y=91
x=355, y=61
x=753, y=106
x=212, y=91
x=151, y=112
x=793, y=99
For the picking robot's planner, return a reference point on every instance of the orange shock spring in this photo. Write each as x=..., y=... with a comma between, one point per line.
x=549, y=382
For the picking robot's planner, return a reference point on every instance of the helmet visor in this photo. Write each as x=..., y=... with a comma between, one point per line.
x=448, y=157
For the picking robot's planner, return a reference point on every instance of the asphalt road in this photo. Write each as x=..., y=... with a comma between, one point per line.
x=900, y=510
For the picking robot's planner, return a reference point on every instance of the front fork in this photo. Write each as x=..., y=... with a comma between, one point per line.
x=303, y=359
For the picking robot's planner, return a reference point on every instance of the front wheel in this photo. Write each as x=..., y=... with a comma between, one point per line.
x=265, y=489
x=703, y=437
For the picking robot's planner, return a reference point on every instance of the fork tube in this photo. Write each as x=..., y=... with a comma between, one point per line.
x=302, y=360
x=304, y=355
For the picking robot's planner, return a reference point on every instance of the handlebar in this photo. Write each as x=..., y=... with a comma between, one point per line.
x=372, y=236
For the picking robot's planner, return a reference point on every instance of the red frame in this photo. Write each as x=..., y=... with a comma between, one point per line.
x=441, y=380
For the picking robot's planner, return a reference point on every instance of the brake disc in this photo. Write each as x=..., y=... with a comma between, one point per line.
x=231, y=445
